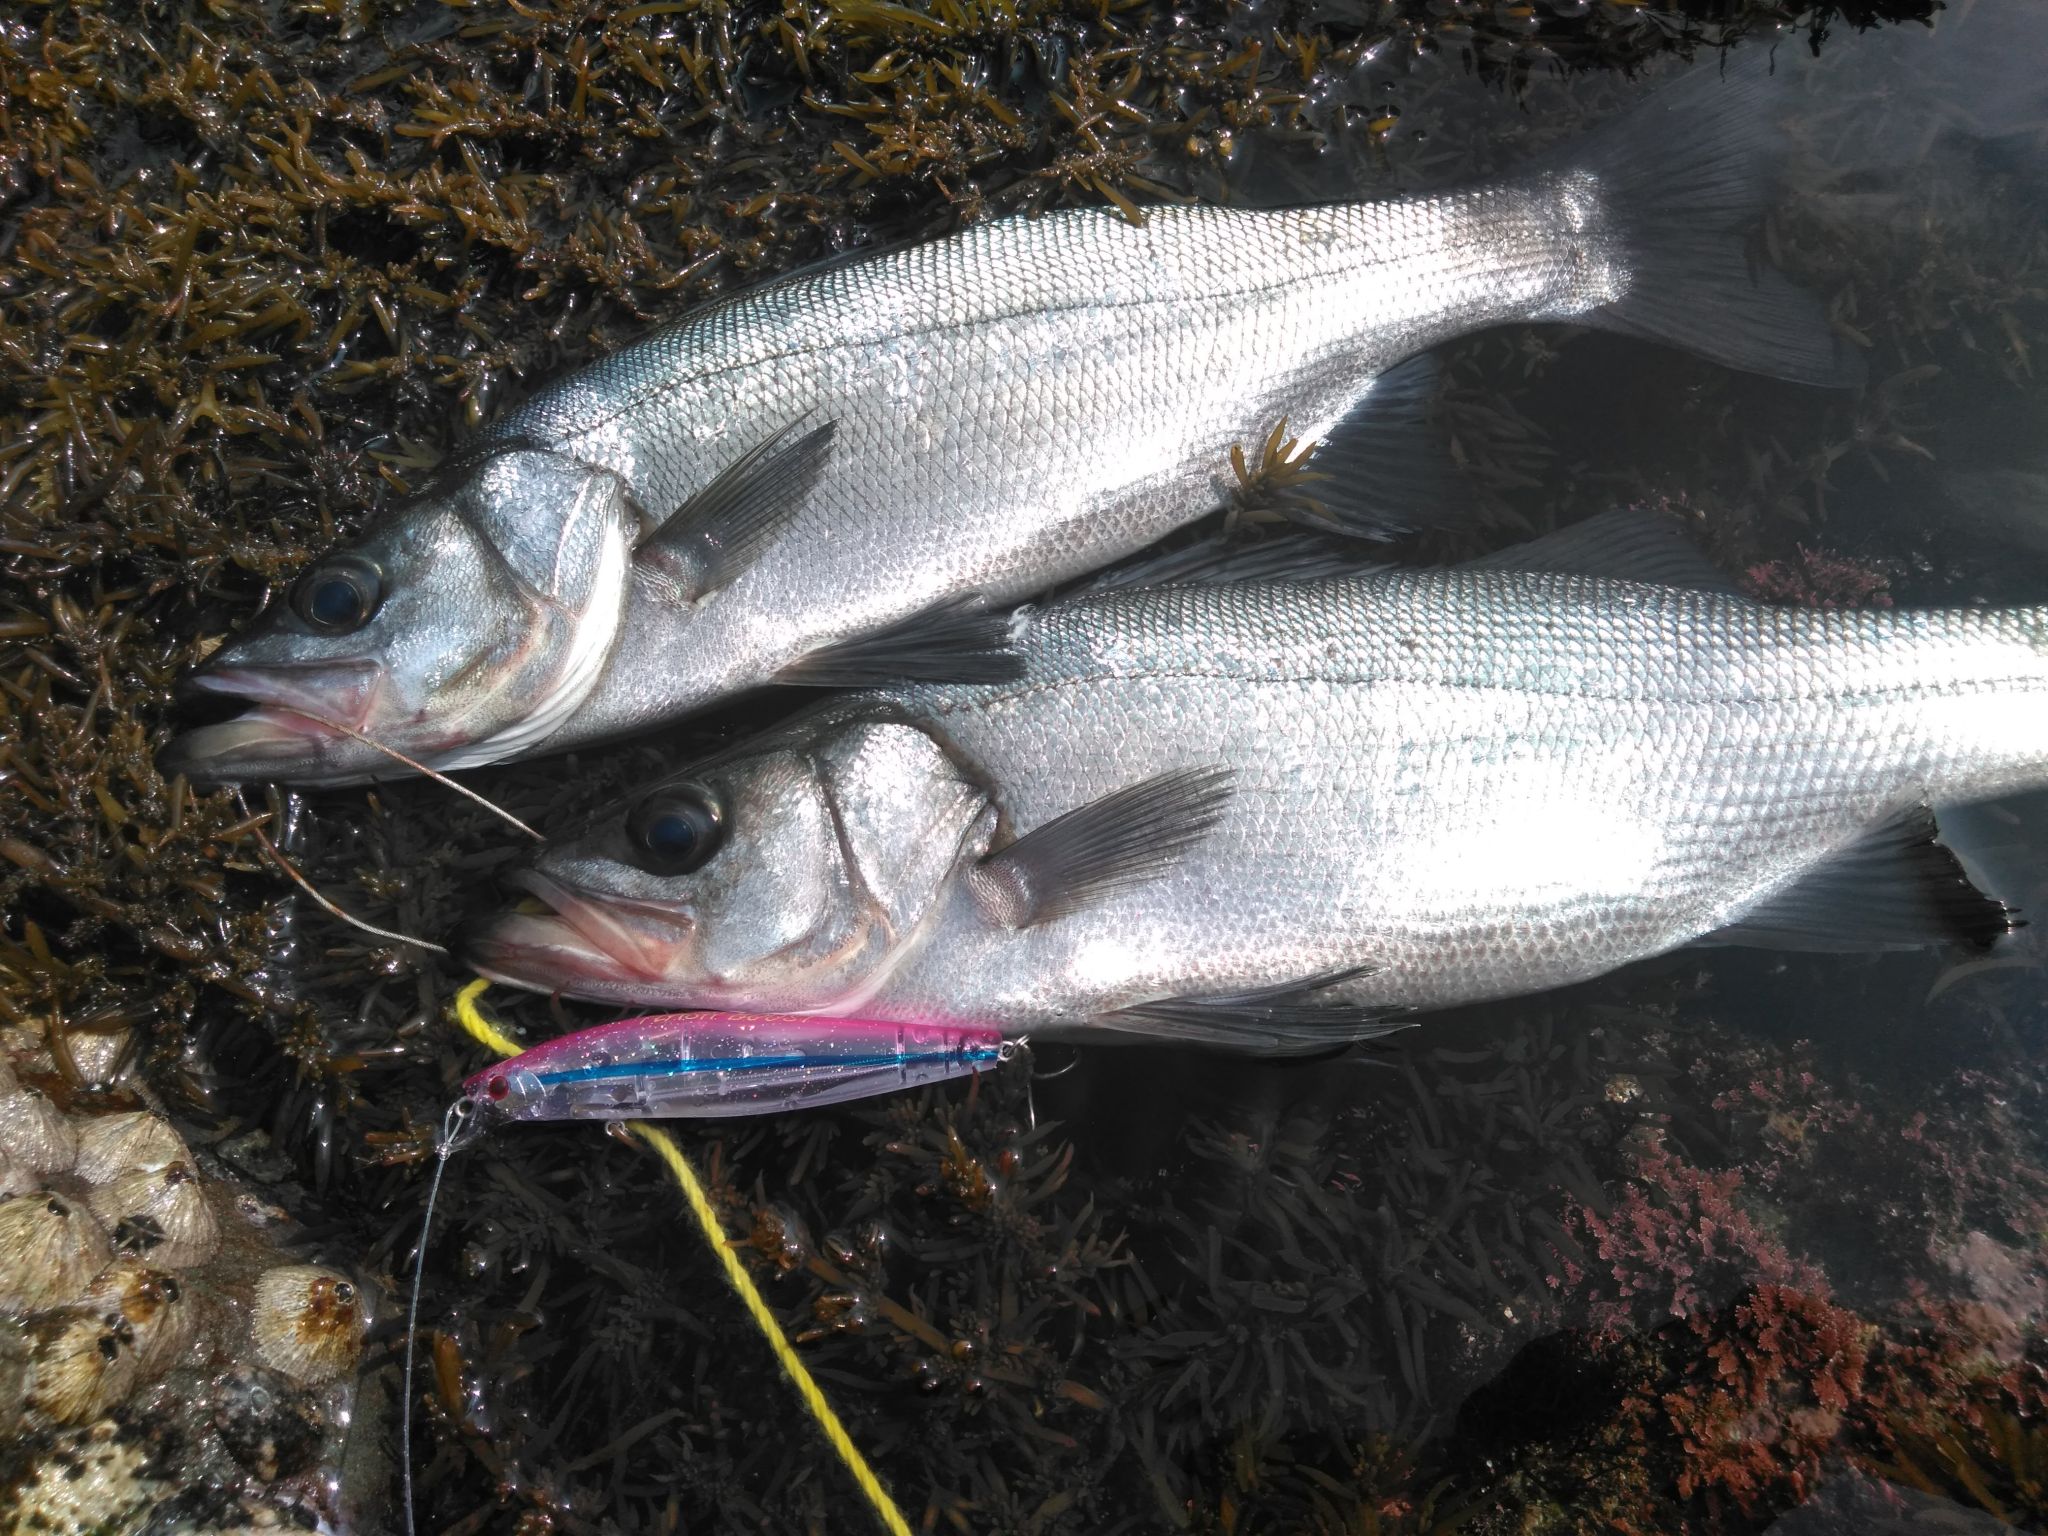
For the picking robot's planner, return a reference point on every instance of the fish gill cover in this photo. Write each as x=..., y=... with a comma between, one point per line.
x=261, y=265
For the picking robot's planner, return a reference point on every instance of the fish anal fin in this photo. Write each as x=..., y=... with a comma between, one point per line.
x=1629, y=544
x=1899, y=888
x=956, y=641
x=723, y=528
x=1293, y=1018
x=1121, y=840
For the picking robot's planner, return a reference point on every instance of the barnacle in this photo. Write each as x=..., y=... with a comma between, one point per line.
x=267, y=1424
x=136, y=1142
x=50, y=1248
x=80, y=1365
x=308, y=1322
x=15, y=1179
x=34, y=1134
x=156, y=1306
x=160, y=1214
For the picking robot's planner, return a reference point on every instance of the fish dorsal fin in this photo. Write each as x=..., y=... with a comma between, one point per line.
x=722, y=529
x=1386, y=469
x=1121, y=840
x=1899, y=888
x=956, y=641
x=1290, y=1019
x=1631, y=544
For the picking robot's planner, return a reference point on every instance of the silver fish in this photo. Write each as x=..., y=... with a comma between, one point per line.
x=1266, y=813
x=786, y=486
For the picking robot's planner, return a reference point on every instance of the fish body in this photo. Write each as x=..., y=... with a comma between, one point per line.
x=1020, y=403
x=829, y=456
x=1430, y=788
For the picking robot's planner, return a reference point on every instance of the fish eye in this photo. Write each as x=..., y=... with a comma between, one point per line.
x=677, y=830
x=339, y=596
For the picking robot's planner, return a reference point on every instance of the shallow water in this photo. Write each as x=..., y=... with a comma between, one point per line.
x=1670, y=1251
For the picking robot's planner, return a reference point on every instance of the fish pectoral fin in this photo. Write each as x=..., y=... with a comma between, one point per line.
x=1387, y=468
x=1291, y=1019
x=1629, y=544
x=723, y=528
x=1121, y=840
x=956, y=641
x=1897, y=889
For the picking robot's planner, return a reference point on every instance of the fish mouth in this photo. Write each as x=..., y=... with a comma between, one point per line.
x=279, y=735
x=611, y=949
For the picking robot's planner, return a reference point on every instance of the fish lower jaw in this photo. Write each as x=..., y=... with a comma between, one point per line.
x=547, y=952
x=264, y=743
x=290, y=729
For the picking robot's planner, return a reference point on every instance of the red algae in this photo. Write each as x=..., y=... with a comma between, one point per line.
x=1677, y=1243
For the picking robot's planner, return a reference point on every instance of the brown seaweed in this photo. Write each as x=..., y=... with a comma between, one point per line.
x=260, y=265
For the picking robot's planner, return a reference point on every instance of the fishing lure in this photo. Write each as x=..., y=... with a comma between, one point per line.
x=696, y=1065
x=719, y=1064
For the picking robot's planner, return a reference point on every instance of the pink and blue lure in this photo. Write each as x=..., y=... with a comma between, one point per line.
x=720, y=1064
x=695, y=1065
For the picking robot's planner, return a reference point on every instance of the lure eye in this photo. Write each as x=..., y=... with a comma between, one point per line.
x=497, y=1088
x=339, y=596
x=677, y=830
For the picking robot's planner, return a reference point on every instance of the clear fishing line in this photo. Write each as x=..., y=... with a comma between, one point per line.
x=453, y=1123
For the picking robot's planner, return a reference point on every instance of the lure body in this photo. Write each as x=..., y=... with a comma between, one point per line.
x=721, y=1064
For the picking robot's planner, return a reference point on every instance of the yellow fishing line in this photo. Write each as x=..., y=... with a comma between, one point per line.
x=480, y=1028
x=488, y=1034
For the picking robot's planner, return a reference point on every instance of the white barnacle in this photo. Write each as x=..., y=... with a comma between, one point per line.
x=34, y=1133
x=50, y=1248
x=161, y=1215
x=137, y=1142
x=156, y=1306
x=309, y=1322
x=80, y=1365
x=15, y=1179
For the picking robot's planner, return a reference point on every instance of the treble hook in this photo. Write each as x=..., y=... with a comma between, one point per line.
x=1022, y=1046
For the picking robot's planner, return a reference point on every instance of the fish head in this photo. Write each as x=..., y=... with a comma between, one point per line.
x=789, y=877
x=464, y=628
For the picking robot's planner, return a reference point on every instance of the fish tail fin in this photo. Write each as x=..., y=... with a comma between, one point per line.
x=1681, y=181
